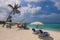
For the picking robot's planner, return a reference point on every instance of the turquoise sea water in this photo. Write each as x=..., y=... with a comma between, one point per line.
x=48, y=26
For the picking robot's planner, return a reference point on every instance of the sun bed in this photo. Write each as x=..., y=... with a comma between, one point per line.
x=40, y=31
x=36, y=31
x=45, y=34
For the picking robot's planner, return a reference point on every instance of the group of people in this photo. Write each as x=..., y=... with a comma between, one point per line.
x=22, y=25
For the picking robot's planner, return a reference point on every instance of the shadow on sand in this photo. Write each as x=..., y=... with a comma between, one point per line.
x=46, y=38
x=23, y=29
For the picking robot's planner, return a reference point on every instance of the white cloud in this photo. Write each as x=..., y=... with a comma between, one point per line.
x=29, y=5
x=6, y=2
x=34, y=0
x=52, y=15
x=30, y=10
x=57, y=3
x=3, y=15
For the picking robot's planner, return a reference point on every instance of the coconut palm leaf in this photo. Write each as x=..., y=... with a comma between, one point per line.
x=10, y=6
x=17, y=11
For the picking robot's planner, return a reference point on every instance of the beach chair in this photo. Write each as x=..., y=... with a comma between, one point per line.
x=45, y=34
x=36, y=31
x=40, y=32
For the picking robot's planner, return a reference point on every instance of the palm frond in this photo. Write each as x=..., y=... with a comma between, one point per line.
x=17, y=11
x=10, y=6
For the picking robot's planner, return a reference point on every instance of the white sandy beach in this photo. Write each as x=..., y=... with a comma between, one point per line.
x=16, y=34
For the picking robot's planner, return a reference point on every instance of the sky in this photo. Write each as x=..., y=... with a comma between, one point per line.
x=46, y=11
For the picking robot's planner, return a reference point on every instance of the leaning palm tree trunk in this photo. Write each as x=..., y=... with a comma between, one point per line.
x=7, y=19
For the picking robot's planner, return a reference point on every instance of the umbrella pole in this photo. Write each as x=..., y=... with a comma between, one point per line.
x=37, y=26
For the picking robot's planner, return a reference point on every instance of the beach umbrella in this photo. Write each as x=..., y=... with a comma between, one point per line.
x=37, y=24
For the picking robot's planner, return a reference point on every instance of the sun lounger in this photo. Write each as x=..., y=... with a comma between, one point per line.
x=40, y=31
x=45, y=34
x=36, y=31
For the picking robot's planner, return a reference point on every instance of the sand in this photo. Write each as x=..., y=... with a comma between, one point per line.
x=18, y=34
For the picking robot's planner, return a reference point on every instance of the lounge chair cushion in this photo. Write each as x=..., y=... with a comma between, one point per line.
x=46, y=33
x=37, y=31
x=33, y=29
x=41, y=31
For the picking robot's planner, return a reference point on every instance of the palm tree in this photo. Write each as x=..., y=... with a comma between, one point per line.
x=14, y=10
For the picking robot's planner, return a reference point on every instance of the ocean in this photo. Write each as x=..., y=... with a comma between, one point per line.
x=47, y=26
